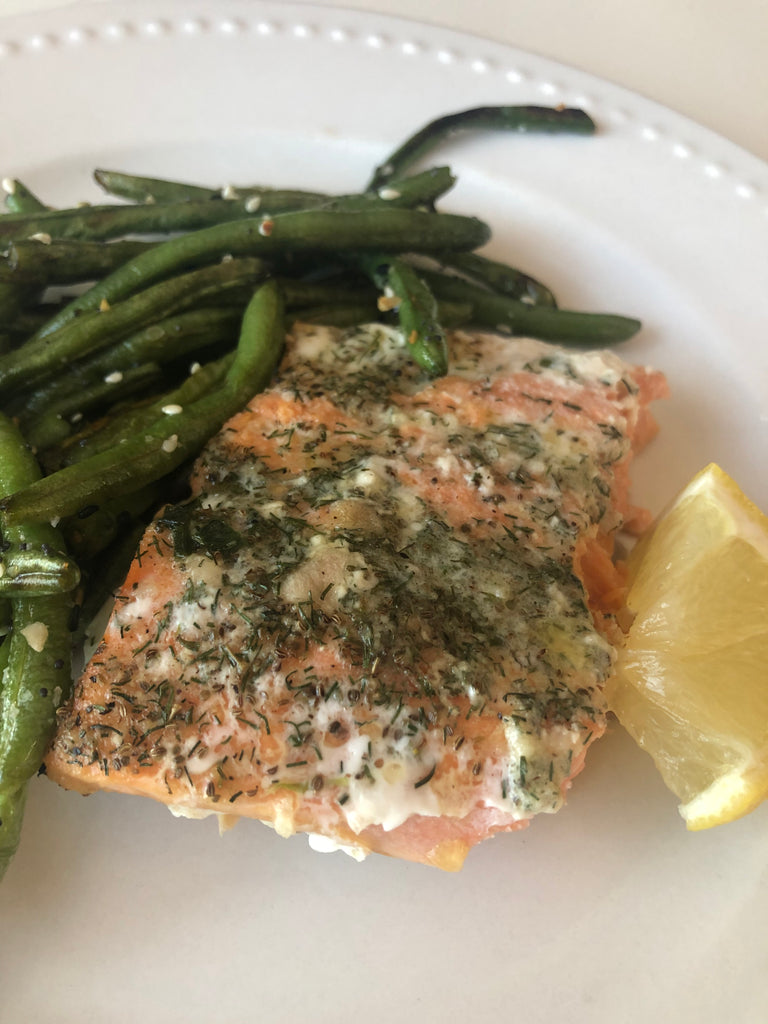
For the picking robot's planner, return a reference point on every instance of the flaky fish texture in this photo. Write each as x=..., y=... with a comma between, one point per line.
x=385, y=615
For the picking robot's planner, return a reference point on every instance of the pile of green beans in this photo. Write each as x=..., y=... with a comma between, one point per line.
x=132, y=330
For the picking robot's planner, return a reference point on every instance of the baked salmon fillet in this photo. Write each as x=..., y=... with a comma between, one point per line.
x=384, y=616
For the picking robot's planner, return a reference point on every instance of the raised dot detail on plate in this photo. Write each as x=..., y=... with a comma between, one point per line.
x=479, y=66
x=228, y=27
x=446, y=57
x=713, y=170
x=302, y=31
x=76, y=35
x=338, y=35
x=681, y=151
x=154, y=28
x=548, y=88
x=192, y=27
x=650, y=134
x=265, y=28
x=375, y=42
x=39, y=42
x=515, y=77
x=116, y=31
x=744, y=190
x=411, y=49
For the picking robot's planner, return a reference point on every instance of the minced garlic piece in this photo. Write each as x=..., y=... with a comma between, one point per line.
x=36, y=635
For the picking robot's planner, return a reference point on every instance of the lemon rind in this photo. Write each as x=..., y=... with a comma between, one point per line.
x=728, y=798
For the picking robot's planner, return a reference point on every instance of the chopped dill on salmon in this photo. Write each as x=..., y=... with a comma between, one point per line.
x=385, y=615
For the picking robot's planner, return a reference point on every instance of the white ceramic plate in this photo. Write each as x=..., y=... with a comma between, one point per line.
x=609, y=911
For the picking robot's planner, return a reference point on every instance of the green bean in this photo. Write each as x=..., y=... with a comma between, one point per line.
x=6, y=626
x=388, y=230
x=161, y=342
x=417, y=190
x=12, y=802
x=20, y=199
x=24, y=545
x=454, y=314
x=66, y=262
x=503, y=118
x=44, y=355
x=53, y=425
x=29, y=320
x=301, y=294
x=13, y=299
x=412, y=191
x=449, y=314
x=101, y=223
x=164, y=445
x=37, y=673
x=38, y=665
x=37, y=573
x=500, y=314
x=416, y=311
x=88, y=536
x=37, y=676
x=336, y=315
x=418, y=318
x=139, y=418
x=501, y=278
x=114, y=563
x=142, y=189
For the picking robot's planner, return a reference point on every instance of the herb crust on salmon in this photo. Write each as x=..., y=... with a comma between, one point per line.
x=384, y=616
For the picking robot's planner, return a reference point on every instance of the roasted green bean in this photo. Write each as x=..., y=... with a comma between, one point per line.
x=501, y=278
x=497, y=313
x=20, y=199
x=47, y=354
x=414, y=190
x=405, y=291
x=66, y=262
x=161, y=342
x=53, y=425
x=503, y=118
x=142, y=189
x=36, y=655
x=101, y=223
x=387, y=230
x=169, y=440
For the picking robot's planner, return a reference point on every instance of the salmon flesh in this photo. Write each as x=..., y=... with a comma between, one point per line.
x=385, y=615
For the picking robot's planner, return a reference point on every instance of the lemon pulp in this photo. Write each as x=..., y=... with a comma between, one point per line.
x=691, y=681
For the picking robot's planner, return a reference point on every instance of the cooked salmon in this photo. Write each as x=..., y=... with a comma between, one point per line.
x=384, y=616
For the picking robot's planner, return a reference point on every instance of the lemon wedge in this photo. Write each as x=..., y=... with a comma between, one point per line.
x=691, y=681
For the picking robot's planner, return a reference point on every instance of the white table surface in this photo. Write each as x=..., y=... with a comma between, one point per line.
x=702, y=58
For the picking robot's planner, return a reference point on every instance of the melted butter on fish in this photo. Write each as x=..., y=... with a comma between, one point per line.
x=368, y=623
